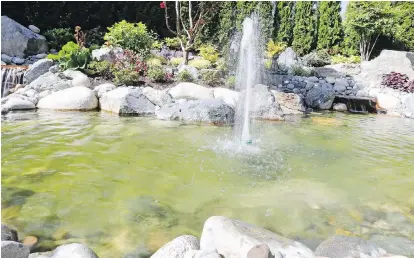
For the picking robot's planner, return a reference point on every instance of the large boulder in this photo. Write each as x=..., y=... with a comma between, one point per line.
x=213, y=111
x=263, y=104
x=75, y=98
x=235, y=238
x=127, y=101
x=290, y=103
x=178, y=247
x=49, y=81
x=8, y=234
x=17, y=40
x=11, y=249
x=15, y=103
x=81, y=80
x=74, y=250
x=103, y=88
x=320, y=97
x=287, y=58
x=188, y=90
x=346, y=246
x=37, y=69
x=230, y=97
x=157, y=97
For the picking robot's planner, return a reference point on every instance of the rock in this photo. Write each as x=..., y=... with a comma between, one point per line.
x=3, y=63
x=340, y=107
x=44, y=94
x=340, y=85
x=229, y=97
x=49, y=81
x=394, y=244
x=11, y=249
x=157, y=97
x=200, y=254
x=177, y=247
x=263, y=104
x=8, y=234
x=192, y=70
x=320, y=98
x=387, y=100
x=34, y=29
x=19, y=104
x=5, y=58
x=30, y=241
x=71, y=74
x=19, y=41
x=41, y=255
x=102, y=88
x=309, y=86
x=338, y=70
x=73, y=251
x=213, y=111
x=54, y=69
x=290, y=86
x=53, y=51
x=17, y=60
x=188, y=90
x=74, y=98
x=234, y=238
x=259, y=251
x=126, y=101
x=41, y=56
x=37, y=69
x=346, y=246
x=106, y=53
x=287, y=58
x=81, y=80
x=290, y=103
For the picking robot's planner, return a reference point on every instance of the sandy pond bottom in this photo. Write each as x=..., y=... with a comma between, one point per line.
x=125, y=184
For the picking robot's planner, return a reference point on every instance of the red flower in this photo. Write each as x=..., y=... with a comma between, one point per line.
x=162, y=5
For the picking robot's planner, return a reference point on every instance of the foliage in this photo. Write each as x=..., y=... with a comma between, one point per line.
x=231, y=81
x=128, y=67
x=398, y=81
x=284, y=22
x=300, y=71
x=126, y=77
x=154, y=62
x=176, y=61
x=275, y=48
x=317, y=58
x=72, y=57
x=173, y=43
x=221, y=64
x=101, y=68
x=200, y=63
x=157, y=44
x=156, y=73
x=268, y=64
x=132, y=36
x=95, y=37
x=184, y=76
x=58, y=37
x=209, y=52
x=340, y=59
x=330, y=31
x=161, y=59
x=304, y=31
x=404, y=24
x=211, y=77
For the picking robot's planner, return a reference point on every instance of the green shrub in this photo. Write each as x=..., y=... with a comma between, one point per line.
x=57, y=38
x=94, y=37
x=221, y=64
x=173, y=42
x=200, y=63
x=211, y=77
x=231, y=81
x=339, y=59
x=176, y=61
x=156, y=60
x=184, y=76
x=156, y=73
x=66, y=50
x=275, y=48
x=317, y=58
x=132, y=36
x=128, y=67
x=268, y=64
x=300, y=71
x=101, y=68
x=209, y=52
x=156, y=44
x=78, y=59
x=127, y=77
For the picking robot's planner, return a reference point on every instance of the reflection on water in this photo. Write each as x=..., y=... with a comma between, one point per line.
x=125, y=184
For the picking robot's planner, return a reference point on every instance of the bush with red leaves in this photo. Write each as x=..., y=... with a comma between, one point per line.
x=398, y=81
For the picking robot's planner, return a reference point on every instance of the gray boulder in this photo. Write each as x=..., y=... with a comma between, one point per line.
x=126, y=101
x=106, y=53
x=395, y=245
x=178, y=247
x=320, y=97
x=15, y=103
x=74, y=98
x=5, y=58
x=290, y=103
x=263, y=104
x=81, y=80
x=34, y=29
x=49, y=81
x=230, y=97
x=54, y=69
x=200, y=254
x=73, y=251
x=340, y=107
x=259, y=251
x=8, y=234
x=37, y=69
x=157, y=97
x=19, y=41
x=287, y=58
x=102, y=88
x=41, y=56
x=340, y=85
x=188, y=90
x=11, y=249
x=234, y=238
x=346, y=246
x=213, y=111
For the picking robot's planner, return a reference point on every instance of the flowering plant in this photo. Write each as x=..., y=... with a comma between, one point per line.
x=129, y=60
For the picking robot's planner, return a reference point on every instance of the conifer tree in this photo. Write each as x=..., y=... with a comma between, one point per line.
x=330, y=32
x=284, y=22
x=305, y=27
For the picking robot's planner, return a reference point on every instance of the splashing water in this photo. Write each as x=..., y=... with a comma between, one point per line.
x=9, y=78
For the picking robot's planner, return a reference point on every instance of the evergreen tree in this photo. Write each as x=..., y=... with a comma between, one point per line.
x=305, y=27
x=330, y=31
x=284, y=22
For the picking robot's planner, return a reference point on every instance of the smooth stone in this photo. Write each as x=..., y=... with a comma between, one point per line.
x=81, y=80
x=103, y=88
x=5, y=58
x=74, y=98
x=34, y=29
x=290, y=86
x=290, y=103
x=41, y=56
x=190, y=91
x=200, y=254
x=18, y=60
x=74, y=250
x=19, y=104
x=54, y=69
x=8, y=233
x=230, y=97
x=11, y=249
x=126, y=101
x=340, y=107
x=157, y=97
x=30, y=241
x=259, y=251
x=177, y=247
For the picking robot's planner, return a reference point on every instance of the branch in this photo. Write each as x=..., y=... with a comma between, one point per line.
x=189, y=13
x=182, y=22
x=373, y=45
x=177, y=12
x=166, y=19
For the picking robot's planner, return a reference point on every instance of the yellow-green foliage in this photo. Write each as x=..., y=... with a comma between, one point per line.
x=221, y=64
x=274, y=48
x=172, y=42
x=160, y=59
x=231, y=81
x=156, y=44
x=176, y=61
x=154, y=62
x=340, y=59
x=184, y=76
x=65, y=52
x=211, y=77
x=156, y=73
x=268, y=63
x=200, y=63
x=209, y=52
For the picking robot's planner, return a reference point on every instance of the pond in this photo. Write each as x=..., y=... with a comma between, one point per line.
x=123, y=185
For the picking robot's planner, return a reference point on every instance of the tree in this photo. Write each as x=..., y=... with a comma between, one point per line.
x=188, y=22
x=330, y=32
x=284, y=22
x=403, y=13
x=305, y=27
x=366, y=21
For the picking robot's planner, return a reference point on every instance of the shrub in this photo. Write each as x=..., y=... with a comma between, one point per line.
x=95, y=37
x=127, y=77
x=128, y=67
x=275, y=48
x=301, y=71
x=131, y=36
x=268, y=64
x=184, y=76
x=173, y=42
x=57, y=38
x=72, y=57
x=317, y=58
x=156, y=60
x=156, y=73
x=102, y=68
x=153, y=62
x=209, y=52
x=211, y=77
x=398, y=81
x=339, y=59
x=156, y=44
x=66, y=50
x=221, y=65
x=231, y=81
x=176, y=61
x=200, y=63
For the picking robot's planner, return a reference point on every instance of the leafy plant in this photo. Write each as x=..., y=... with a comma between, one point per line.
x=58, y=37
x=398, y=81
x=101, y=68
x=156, y=60
x=231, y=81
x=66, y=50
x=184, y=76
x=211, y=77
x=268, y=63
x=128, y=67
x=176, y=61
x=173, y=43
x=317, y=58
x=131, y=36
x=339, y=59
x=78, y=59
x=300, y=71
x=156, y=44
x=275, y=48
x=221, y=64
x=200, y=63
x=127, y=77
x=157, y=73
x=209, y=52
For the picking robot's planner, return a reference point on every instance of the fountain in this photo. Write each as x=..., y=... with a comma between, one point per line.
x=248, y=74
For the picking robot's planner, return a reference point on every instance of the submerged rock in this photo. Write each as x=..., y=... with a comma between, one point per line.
x=178, y=247
x=11, y=249
x=394, y=244
x=75, y=98
x=126, y=101
x=8, y=234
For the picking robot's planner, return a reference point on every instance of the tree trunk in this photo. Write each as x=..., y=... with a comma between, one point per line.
x=186, y=52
